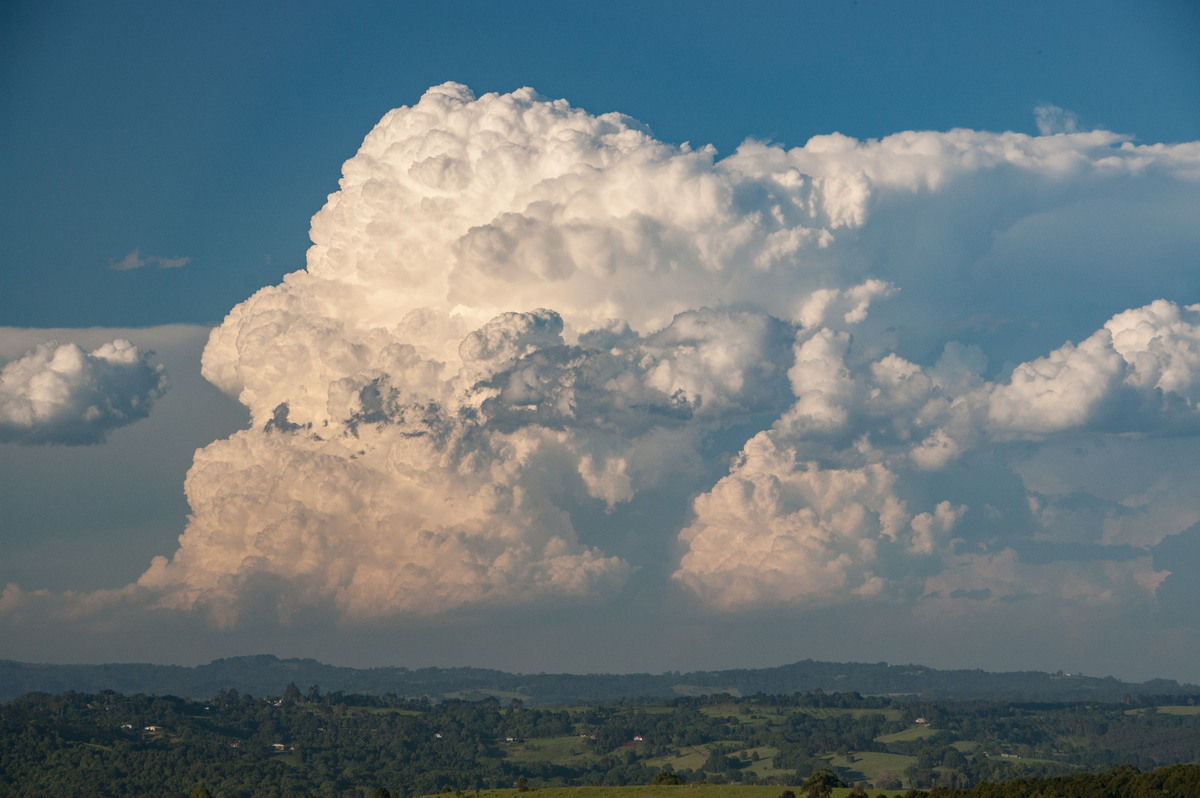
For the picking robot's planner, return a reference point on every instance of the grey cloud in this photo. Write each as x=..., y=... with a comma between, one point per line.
x=62, y=394
x=717, y=367
x=1179, y=594
x=1041, y=552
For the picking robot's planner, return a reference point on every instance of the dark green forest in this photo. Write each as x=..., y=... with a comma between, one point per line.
x=316, y=743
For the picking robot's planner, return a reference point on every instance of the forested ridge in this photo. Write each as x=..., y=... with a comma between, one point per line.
x=310, y=742
x=264, y=674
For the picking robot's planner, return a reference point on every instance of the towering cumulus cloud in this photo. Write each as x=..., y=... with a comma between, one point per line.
x=520, y=322
x=62, y=394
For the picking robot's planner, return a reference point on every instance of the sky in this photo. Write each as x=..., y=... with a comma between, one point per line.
x=602, y=337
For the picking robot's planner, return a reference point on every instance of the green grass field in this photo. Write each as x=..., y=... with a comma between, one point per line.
x=662, y=791
x=694, y=757
x=758, y=761
x=746, y=721
x=867, y=765
x=691, y=689
x=559, y=750
x=690, y=758
x=915, y=733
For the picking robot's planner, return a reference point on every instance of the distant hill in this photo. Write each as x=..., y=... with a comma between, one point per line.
x=264, y=675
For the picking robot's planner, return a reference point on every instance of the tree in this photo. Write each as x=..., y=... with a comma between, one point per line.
x=821, y=784
x=953, y=758
x=826, y=777
x=718, y=762
x=887, y=780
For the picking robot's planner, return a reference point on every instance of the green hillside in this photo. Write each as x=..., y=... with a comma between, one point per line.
x=337, y=745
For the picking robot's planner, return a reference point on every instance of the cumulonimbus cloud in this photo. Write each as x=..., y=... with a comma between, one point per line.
x=60, y=393
x=517, y=317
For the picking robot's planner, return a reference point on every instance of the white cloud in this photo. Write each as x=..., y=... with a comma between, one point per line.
x=63, y=394
x=518, y=318
x=781, y=530
x=1052, y=120
x=784, y=528
x=1139, y=372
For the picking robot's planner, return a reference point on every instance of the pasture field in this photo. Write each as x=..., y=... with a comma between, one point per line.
x=915, y=733
x=696, y=690
x=570, y=751
x=693, y=758
x=867, y=765
x=746, y=721
x=665, y=791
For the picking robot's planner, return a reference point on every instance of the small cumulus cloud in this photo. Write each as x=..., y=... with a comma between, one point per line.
x=1052, y=120
x=61, y=393
x=135, y=260
x=519, y=320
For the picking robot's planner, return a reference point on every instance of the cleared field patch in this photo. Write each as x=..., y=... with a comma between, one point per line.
x=915, y=733
x=854, y=712
x=725, y=711
x=382, y=711
x=1020, y=762
x=765, y=766
x=867, y=765
x=643, y=791
x=744, y=716
x=694, y=690
x=756, y=718
x=557, y=750
x=666, y=791
x=765, y=753
x=693, y=757
x=690, y=758
x=480, y=694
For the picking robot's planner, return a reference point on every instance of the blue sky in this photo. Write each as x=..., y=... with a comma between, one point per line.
x=214, y=132
x=162, y=162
